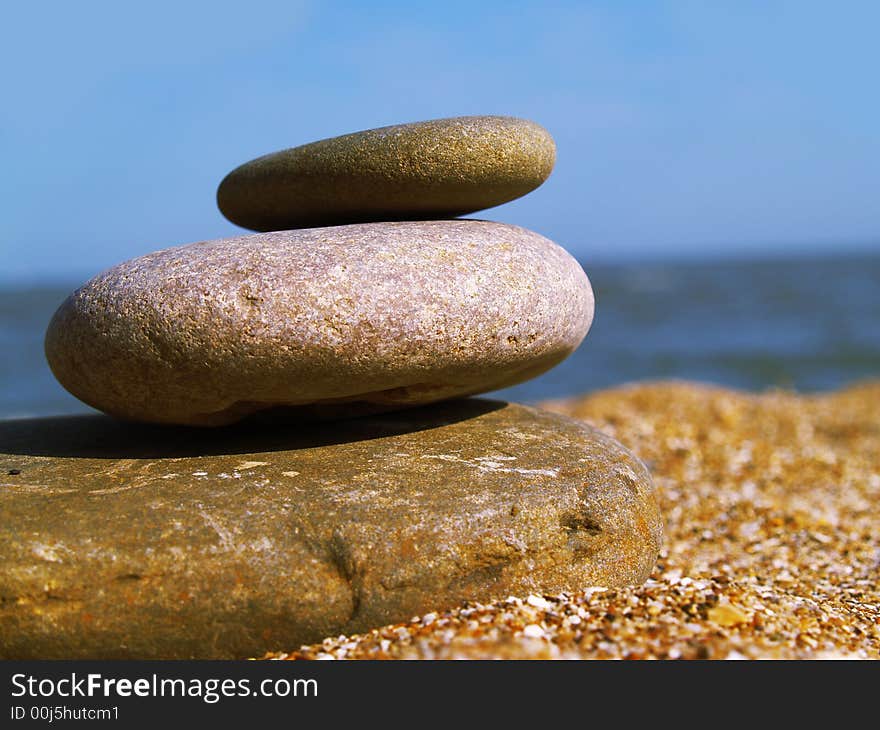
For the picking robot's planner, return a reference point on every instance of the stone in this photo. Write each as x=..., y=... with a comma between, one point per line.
x=326, y=322
x=133, y=541
x=436, y=169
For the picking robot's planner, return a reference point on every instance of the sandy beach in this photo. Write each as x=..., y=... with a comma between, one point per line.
x=771, y=504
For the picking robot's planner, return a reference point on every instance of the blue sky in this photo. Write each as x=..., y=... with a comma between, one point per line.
x=710, y=128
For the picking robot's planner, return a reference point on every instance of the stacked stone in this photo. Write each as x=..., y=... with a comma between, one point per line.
x=363, y=296
x=365, y=309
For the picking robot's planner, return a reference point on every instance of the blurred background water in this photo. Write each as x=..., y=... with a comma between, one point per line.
x=806, y=324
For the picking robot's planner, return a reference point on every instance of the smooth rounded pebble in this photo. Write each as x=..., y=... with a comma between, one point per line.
x=327, y=322
x=436, y=169
x=127, y=541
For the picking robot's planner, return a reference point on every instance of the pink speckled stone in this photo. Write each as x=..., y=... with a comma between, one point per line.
x=326, y=321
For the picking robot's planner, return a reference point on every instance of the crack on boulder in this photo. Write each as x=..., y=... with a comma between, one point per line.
x=129, y=577
x=582, y=533
x=580, y=522
x=343, y=561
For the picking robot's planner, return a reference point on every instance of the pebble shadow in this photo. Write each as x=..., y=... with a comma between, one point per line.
x=102, y=437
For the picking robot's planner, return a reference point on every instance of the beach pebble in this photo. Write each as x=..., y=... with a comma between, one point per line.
x=131, y=541
x=327, y=322
x=435, y=169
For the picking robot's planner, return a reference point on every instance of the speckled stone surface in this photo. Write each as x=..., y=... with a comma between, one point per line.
x=435, y=169
x=326, y=322
x=132, y=541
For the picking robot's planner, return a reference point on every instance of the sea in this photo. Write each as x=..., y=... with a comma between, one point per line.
x=805, y=324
